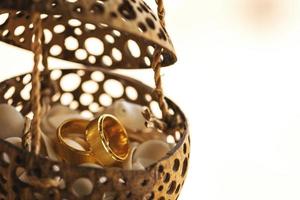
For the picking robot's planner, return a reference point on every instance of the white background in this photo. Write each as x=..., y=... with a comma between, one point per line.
x=238, y=81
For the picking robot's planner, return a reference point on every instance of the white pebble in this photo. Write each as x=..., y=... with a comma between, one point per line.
x=17, y=141
x=11, y=122
x=91, y=165
x=150, y=152
x=129, y=114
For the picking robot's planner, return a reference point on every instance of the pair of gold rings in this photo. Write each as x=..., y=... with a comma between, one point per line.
x=104, y=139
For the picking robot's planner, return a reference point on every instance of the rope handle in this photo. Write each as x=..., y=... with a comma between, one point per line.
x=32, y=133
x=161, y=12
x=41, y=89
x=156, y=66
x=36, y=84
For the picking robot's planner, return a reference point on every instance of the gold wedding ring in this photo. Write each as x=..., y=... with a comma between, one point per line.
x=104, y=141
x=108, y=140
x=72, y=130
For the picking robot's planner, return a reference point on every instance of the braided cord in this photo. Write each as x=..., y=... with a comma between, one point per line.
x=36, y=84
x=156, y=66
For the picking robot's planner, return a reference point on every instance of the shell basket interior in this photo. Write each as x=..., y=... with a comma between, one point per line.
x=161, y=181
x=96, y=33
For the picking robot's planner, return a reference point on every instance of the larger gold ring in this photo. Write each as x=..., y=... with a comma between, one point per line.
x=68, y=130
x=108, y=140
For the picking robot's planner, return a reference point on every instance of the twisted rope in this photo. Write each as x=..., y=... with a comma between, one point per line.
x=32, y=134
x=36, y=85
x=161, y=12
x=48, y=86
x=156, y=65
x=26, y=138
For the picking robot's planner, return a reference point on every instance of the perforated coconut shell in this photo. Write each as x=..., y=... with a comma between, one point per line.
x=161, y=181
x=106, y=33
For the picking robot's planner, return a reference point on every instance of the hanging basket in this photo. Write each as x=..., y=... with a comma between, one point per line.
x=126, y=34
x=163, y=180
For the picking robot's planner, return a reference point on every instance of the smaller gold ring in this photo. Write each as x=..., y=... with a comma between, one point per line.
x=108, y=140
x=68, y=153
